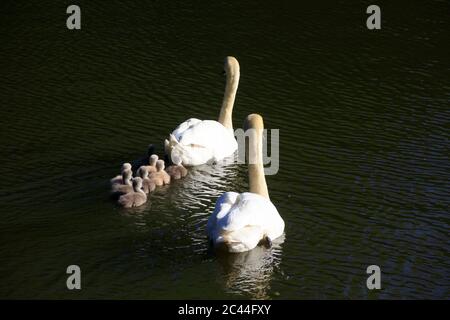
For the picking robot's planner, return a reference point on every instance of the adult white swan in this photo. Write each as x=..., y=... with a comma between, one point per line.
x=241, y=221
x=197, y=142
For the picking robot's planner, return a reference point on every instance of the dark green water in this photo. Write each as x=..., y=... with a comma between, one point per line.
x=363, y=118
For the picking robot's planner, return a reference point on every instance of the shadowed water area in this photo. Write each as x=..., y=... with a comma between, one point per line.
x=363, y=118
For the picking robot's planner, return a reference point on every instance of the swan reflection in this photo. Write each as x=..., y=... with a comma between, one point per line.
x=249, y=273
x=203, y=185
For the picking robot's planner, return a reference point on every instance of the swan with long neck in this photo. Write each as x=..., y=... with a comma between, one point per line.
x=242, y=221
x=198, y=142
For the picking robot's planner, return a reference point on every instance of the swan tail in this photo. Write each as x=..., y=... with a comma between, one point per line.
x=241, y=240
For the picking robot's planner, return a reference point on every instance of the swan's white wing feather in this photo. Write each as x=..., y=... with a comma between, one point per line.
x=198, y=142
x=184, y=126
x=242, y=220
x=241, y=214
x=205, y=133
x=223, y=205
x=250, y=209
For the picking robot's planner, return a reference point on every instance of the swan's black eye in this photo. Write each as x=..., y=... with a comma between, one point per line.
x=224, y=72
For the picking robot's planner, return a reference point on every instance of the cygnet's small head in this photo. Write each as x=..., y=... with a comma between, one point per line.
x=126, y=166
x=137, y=184
x=152, y=160
x=143, y=172
x=231, y=66
x=160, y=165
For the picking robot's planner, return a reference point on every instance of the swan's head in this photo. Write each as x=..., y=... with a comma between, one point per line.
x=231, y=66
x=160, y=165
x=152, y=160
x=126, y=176
x=143, y=172
x=126, y=166
x=253, y=121
x=137, y=184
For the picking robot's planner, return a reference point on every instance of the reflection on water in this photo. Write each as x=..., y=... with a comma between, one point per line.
x=249, y=273
x=245, y=274
x=204, y=183
x=196, y=194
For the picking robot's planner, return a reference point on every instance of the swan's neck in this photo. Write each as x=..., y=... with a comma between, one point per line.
x=256, y=177
x=226, y=112
x=126, y=179
x=138, y=189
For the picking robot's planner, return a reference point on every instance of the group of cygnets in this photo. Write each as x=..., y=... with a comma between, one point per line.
x=133, y=191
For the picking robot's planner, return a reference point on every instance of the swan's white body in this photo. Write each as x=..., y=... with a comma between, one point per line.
x=198, y=142
x=241, y=220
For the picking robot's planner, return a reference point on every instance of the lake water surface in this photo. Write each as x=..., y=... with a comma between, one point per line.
x=364, y=170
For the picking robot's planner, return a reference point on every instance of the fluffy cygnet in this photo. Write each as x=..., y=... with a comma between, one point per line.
x=151, y=165
x=147, y=184
x=118, y=189
x=136, y=197
x=177, y=171
x=118, y=178
x=160, y=177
